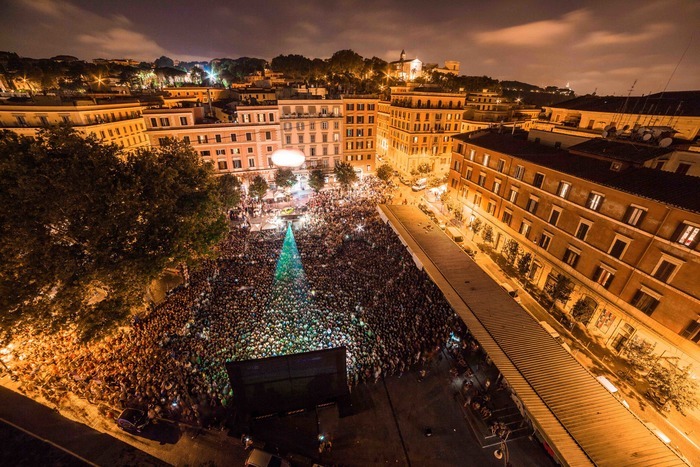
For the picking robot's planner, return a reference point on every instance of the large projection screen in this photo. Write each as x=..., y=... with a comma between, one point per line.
x=288, y=382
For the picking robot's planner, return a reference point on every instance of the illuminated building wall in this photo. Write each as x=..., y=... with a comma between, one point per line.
x=360, y=135
x=629, y=242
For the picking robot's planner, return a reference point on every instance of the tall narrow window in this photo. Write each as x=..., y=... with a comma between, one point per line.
x=634, y=215
x=595, y=200
x=563, y=190
x=687, y=235
x=645, y=300
x=538, y=180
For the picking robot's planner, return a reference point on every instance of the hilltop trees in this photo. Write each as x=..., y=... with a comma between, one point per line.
x=84, y=228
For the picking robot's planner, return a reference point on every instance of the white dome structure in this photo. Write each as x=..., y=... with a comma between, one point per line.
x=288, y=158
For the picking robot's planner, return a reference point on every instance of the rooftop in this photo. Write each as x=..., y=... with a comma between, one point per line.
x=664, y=187
x=624, y=151
x=685, y=103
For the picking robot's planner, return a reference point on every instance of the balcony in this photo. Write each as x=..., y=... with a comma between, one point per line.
x=294, y=115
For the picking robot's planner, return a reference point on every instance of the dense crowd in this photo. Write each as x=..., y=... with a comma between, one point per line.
x=341, y=277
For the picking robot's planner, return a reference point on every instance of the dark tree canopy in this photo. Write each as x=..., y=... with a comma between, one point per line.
x=345, y=174
x=258, y=187
x=385, y=172
x=84, y=227
x=285, y=178
x=317, y=180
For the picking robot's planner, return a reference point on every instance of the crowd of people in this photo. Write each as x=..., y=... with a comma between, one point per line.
x=339, y=277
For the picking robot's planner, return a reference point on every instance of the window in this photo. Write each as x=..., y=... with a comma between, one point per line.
x=202, y=139
x=487, y=157
x=472, y=153
x=532, y=204
x=251, y=162
x=360, y=119
x=217, y=138
x=571, y=256
x=271, y=117
x=205, y=153
x=324, y=125
x=468, y=175
x=237, y=164
x=186, y=139
x=350, y=107
x=350, y=119
x=349, y=133
x=250, y=150
x=524, y=229
x=501, y=164
x=563, y=190
x=687, y=235
x=162, y=141
x=683, y=168
x=666, y=268
x=235, y=150
x=477, y=199
x=594, y=201
x=165, y=121
x=183, y=121
x=619, y=246
x=507, y=217
x=496, y=186
x=604, y=275
x=537, y=181
x=221, y=152
x=513, y=195
x=692, y=331
x=582, y=230
x=519, y=172
x=482, y=179
x=249, y=136
x=301, y=139
x=288, y=139
x=634, y=215
x=645, y=300
x=223, y=165
x=154, y=121
x=300, y=126
x=554, y=215
x=491, y=208
x=545, y=240
x=268, y=135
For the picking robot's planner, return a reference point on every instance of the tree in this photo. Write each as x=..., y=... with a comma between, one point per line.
x=559, y=289
x=317, y=180
x=85, y=227
x=674, y=386
x=582, y=310
x=285, y=178
x=475, y=227
x=424, y=168
x=229, y=190
x=258, y=187
x=385, y=172
x=510, y=250
x=345, y=174
x=346, y=62
x=524, y=264
x=639, y=354
x=487, y=234
x=163, y=62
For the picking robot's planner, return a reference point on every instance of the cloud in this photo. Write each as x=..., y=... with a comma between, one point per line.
x=122, y=42
x=537, y=33
x=608, y=38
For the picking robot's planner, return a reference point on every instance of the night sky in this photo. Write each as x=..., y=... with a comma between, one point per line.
x=603, y=45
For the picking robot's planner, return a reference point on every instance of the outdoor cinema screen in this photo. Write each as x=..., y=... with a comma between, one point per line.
x=288, y=382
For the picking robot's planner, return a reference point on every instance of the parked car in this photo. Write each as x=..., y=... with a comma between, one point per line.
x=133, y=420
x=260, y=458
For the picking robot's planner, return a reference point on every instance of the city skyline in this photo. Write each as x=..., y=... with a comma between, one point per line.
x=593, y=46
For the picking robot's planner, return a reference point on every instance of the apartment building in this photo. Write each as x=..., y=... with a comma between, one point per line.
x=315, y=127
x=485, y=108
x=360, y=136
x=116, y=121
x=418, y=126
x=243, y=147
x=627, y=236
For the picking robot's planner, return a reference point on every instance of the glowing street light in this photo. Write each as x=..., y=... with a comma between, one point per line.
x=288, y=158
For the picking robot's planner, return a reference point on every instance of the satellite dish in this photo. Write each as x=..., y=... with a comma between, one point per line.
x=605, y=133
x=666, y=142
x=646, y=137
